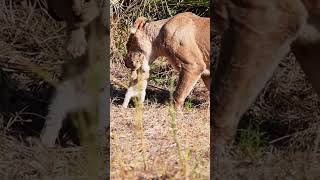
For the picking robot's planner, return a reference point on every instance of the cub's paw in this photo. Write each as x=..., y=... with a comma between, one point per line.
x=48, y=141
x=77, y=43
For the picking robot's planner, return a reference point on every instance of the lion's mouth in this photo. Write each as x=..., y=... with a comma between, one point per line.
x=128, y=64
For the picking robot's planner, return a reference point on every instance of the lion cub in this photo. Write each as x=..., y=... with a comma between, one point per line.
x=138, y=85
x=76, y=92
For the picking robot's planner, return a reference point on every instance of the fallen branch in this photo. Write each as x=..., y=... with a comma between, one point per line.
x=43, y=72
x=118, y=82
x=28, y=67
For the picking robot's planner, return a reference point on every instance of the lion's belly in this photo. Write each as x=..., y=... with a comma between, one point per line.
x=176, y=65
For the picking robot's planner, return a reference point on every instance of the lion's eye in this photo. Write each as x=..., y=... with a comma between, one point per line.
x=139, y=50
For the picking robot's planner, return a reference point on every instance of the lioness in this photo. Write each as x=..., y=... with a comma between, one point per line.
x=184, y=39
x=257, y=35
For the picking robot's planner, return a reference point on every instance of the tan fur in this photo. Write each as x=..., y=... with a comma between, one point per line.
x=184, y=39
x=258, y=34
x=77, y=14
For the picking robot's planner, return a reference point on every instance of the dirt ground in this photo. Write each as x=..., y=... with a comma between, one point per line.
x=157, y=153
x=147, y=147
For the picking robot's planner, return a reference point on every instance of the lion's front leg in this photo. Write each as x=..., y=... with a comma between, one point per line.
x=251, y=50
x=245, y=65
x=239, y=79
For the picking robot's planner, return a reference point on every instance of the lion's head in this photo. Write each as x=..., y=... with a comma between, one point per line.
x=139, y=45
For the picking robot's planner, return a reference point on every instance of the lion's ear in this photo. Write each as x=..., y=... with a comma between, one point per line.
x=133, y=30
x=140, y=22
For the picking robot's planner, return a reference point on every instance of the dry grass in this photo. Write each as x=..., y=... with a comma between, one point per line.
x=152, y=142
x=288, y=113
x=32, y=43
x=32, y=161
x=162, y=158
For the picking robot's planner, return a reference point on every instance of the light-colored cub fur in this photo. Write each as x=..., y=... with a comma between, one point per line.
x=136, y=89
x=71, y=96
x=76, y=92
x=138, y=85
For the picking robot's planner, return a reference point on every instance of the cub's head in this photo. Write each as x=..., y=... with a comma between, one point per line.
x=139, y=45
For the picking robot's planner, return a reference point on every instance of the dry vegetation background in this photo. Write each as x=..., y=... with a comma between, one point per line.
x=278, y=137
x=32, y=48
x=152, y=142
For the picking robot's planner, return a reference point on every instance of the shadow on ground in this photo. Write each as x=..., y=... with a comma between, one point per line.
x=23, y=112
x=154, y=96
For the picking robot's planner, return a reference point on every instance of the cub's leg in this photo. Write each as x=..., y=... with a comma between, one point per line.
x=61, y=105
x=129, y=94
x=69, y=97
x=142, y=95
x=133, y=91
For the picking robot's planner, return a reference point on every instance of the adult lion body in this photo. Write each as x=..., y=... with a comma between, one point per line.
x=183, y=39
x=258, y=34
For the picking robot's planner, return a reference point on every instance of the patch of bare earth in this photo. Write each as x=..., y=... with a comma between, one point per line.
x=161, y=155
x=160, y=145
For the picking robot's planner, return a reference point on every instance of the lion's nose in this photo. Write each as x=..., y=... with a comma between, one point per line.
x=128, y=64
